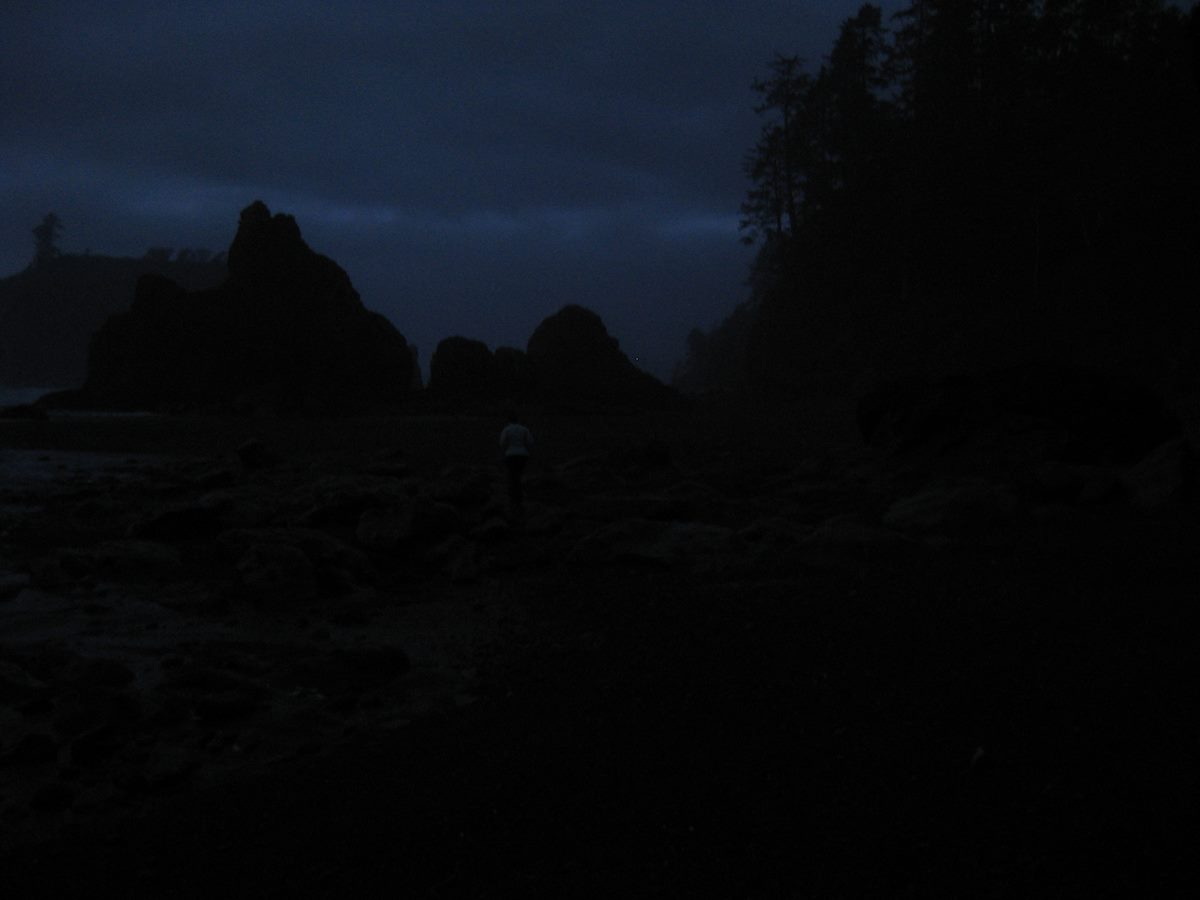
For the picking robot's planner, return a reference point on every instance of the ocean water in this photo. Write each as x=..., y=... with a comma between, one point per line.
x=30, y=468
x=14, y=396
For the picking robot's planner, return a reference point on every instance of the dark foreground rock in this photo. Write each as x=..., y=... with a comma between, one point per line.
x=678, y=673
x=1051, y=434
x=1019, y=415
x=909, y=731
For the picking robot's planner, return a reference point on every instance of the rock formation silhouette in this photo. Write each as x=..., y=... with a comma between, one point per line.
x=572, y=363
x=285, y=332
x=575, y=362
x=49, y=312
x=461, y=369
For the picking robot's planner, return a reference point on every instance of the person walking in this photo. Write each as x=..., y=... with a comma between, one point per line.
x=516, y=443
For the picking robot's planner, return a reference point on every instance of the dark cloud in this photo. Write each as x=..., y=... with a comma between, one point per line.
x=472, y=165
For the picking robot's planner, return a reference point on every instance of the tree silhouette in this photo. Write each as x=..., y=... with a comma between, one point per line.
x=45, y=239
x=776, y=165
x=1007, y=171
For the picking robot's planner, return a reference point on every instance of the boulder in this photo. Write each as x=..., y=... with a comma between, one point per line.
x=390, y=463
x=86, y=707
x=103, y=672
x=32, y=749
x=1161, y=478
x=698, y=546
x=60, y=568
x=53, y=796
x=341, y=499
x=462, y=486
x=383, y=529
x=277, y=574
x=12, y=583
x=846, y=540
x=352, y=670
x=332, y=561
x=458, y=557
x=1017, y=418
x=94, y=746
x=254, y=454
x=423, y=521
x=491, y=530
x=433, y=520
x=214, y=695
x=641, y=461
x=285, y=332
x=1068, y=483
x=179, y=523
x=850, y=532
x=18, y=685
x=954, y=509
x=166, y=767
x=247, y=506
x=134, y=561
x=773, y=533
x=692, y=546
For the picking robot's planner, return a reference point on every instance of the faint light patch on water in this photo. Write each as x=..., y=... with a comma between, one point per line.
x=24, y=467
x=18, y=396
x=24, y=396
x=100, y=414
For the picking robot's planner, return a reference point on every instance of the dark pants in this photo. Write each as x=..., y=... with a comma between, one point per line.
x=516, y=466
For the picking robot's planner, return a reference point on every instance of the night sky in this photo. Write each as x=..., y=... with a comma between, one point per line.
x=473, y=165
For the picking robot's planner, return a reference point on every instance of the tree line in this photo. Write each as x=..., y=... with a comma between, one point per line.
x=970, y=173
x=46, y=235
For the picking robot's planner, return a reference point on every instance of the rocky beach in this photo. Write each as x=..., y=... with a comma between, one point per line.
x=717, y=648
x=570, y=549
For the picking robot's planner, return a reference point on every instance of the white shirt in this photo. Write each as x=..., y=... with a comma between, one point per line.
x=516, y=440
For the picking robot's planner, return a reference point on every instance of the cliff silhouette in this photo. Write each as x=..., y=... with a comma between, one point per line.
x=285, y=332
x=49, y=312
x=571, y=363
